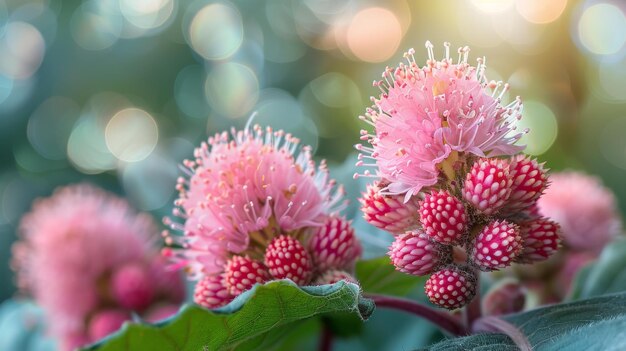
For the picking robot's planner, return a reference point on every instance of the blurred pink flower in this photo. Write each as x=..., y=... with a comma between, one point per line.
x=244, y=189
x=71, y=246
x=585, y=209
x=71, y=240
x=426, y=117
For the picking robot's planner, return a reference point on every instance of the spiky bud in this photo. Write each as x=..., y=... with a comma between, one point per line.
x=211, y=292
x=106, y=322
x=496, y=245
x=451, y=287
x=414, y=253
x=529, y=182
x=388, y=212
x=285, y=257
x=161, y=312
x=540, y=239
x=507, y=296
x=334, y=245
x=443, y=217
x=488, y=185
x=333, y=276
x=133, y=287
x=242, y=273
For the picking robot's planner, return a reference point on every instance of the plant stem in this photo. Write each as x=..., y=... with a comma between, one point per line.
x=495, y=324
x=326, y=339
x=473, y=311
x=443, y=320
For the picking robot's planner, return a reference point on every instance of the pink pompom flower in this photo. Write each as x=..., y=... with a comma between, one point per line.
x=72, y=245
x=585, y=209
x=243, y=189
x=255, y=207
x=427, y=118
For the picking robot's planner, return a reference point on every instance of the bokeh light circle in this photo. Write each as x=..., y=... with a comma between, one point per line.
x=97, y=24
x=216, y=31
x=231, y=89
x=602, y=29
x=540, y=11
x=492, y=6
x=150, y=183
x=50, y=126
x=131, y=134
x=542, y=123
x=22, y=47
x=147, y=14
x=374, y=34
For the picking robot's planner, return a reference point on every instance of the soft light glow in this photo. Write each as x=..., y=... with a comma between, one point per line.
x=232, y=89
x=49, y=127
x=131, y=134
x=335, y=90
x=96, y=25
x=613, y=143
x=86, y=148
x=492, y=6
x=612, y=77
x=475, y=28
x=542, y=123
x=541, y=11
x=150, y=183
x=374, y=34
x=147, y=14
x=602, y=29
x=22, y=48
x=216, y=31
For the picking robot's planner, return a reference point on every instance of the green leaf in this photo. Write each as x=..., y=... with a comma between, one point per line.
x=594, y=324
x=254, y=320
x=606, y=275
x=379, y=276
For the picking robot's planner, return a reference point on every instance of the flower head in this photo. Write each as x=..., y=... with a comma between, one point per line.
x=427, y=118
x=71, y=245
x=585, y=209
x=243, y=190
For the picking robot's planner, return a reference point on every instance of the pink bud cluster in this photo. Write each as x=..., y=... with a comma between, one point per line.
x=488, y=213
x=86, y=257
x=450, y=183
x=257, y=208
x=325, y=258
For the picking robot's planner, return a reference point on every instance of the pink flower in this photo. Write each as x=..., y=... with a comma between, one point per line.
x=244, y=189
x=427, y=118
x=585, y=209
x=71, y=246
x=69, y=241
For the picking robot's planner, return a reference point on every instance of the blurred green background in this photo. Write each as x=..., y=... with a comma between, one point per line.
x=118, y=92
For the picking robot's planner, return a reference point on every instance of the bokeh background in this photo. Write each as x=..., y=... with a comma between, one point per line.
x=118, y=92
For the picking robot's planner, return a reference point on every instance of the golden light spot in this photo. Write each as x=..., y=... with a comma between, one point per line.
x=541, y=11
x=374, y=34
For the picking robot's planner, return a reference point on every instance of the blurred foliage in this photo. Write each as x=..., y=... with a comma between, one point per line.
x=118, y=92
x=604, y=276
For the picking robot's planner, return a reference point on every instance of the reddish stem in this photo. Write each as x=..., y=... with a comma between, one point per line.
x=326, y=339
x=473, y=311
x=443, y=320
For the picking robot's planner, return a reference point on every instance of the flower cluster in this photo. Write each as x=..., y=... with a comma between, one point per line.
x=589, y=217
x=450, y=185
x=254, y=208
x=87, y=258
x=601, y=222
